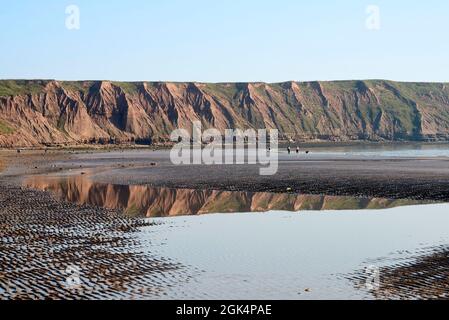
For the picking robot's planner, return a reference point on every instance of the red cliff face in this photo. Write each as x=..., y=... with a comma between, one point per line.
x=35, y=113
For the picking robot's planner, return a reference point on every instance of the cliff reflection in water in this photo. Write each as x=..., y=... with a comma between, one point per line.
x=145, y=201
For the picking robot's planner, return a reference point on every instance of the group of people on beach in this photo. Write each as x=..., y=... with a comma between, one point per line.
x=289, y=150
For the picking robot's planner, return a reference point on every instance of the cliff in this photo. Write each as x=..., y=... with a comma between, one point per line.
x=48, y=112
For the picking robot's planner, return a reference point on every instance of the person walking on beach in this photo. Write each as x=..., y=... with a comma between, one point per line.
x=297, y=150
x=289, y=150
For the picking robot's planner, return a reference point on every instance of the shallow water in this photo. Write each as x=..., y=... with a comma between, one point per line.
x=396, y=150
x=313, y=255
x=146, y=201
x=275, y=254
x=316, y=151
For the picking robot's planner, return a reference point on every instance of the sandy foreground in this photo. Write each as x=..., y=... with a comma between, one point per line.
x=44, y=242
x=43, y=239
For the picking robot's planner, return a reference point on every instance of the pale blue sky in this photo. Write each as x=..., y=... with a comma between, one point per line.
x=225, y=40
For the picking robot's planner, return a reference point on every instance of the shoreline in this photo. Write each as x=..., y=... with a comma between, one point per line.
x=391, y=178
x=46, y=221
x=282, y=143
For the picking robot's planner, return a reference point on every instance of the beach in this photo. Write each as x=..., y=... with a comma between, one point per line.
x=105, y=212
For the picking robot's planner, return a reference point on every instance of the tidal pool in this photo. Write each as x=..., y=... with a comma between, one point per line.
x=296, y=247
x=312, y=255
x=147, y=201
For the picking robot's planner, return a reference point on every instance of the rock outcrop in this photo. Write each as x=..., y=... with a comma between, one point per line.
x=47, y=112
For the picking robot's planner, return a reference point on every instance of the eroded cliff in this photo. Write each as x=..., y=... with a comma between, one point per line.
x=47, y=112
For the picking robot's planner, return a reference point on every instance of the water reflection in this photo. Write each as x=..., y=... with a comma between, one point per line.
x=146, y=201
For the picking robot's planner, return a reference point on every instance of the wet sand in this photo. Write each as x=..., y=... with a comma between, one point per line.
x=42, y=236
x=400, y=179
x=392, y=178
x=51, y=249
x=426, y=278
x=423, y=277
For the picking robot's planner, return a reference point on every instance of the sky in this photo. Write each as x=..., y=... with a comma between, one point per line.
x=225, y=40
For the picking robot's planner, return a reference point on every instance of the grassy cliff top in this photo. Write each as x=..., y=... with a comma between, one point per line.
x=18, y=87
x=21, y=87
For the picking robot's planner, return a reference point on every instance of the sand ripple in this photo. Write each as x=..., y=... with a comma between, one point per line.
x=54, y=250
x=422, y=277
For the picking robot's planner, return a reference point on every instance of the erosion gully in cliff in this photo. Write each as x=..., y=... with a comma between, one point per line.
x=48, y=112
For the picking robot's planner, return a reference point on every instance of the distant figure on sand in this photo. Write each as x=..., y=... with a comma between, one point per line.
x=289, y=150
x=297, y=149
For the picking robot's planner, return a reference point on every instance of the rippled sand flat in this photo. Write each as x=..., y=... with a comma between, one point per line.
x=424, y=277
x=82, y=234
x=43, y=241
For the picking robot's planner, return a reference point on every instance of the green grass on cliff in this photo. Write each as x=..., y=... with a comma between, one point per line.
x=85, y=86
x=21, y=87
x=128, y=87
x=80, y=86
x=18, y=87
x=226, y=90
x=5, y=129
